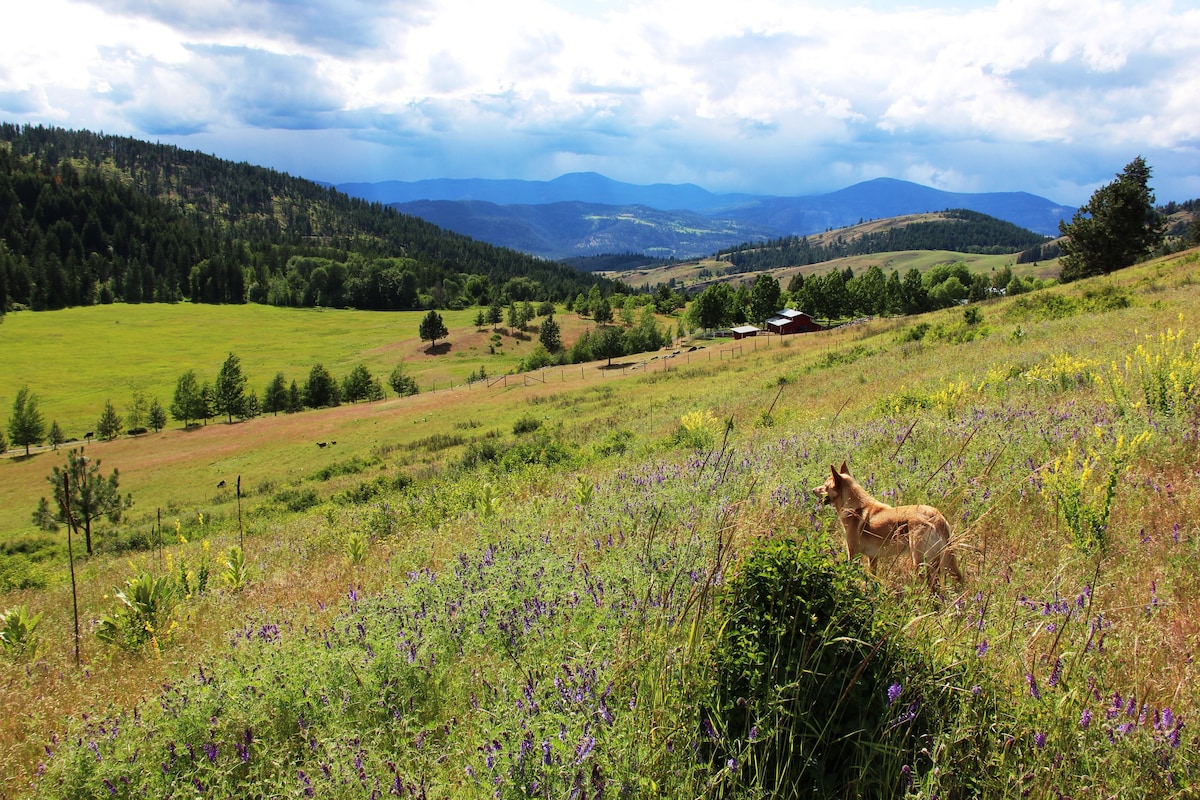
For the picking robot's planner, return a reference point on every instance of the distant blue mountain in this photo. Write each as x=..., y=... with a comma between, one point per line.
x=587, y=213
x=583, y=187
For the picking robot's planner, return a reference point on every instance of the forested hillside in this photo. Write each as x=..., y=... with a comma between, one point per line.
x=959, y=230
x=88, y=218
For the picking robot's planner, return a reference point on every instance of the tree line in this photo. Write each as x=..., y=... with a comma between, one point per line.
x=840, y=294
x=961, y=231
x=87, y=218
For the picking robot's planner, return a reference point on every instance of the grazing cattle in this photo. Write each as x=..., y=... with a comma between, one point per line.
x=89, y=435
x=221, y=485
x=331, y=444
x=321, y=444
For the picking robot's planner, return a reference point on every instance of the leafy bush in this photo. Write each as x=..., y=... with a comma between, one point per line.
x=816, y=692
x=351, y=467
x=143, y=609
x=18, y=632
x=526, y=424
x=18, y=571
x=368, y=490
x=297, y=499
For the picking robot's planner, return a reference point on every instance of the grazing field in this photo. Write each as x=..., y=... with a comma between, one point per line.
x=622, y=586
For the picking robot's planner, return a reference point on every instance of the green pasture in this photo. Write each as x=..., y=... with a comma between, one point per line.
x=76, y=359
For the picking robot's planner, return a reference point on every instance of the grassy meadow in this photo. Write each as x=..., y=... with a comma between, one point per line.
x=620, y=584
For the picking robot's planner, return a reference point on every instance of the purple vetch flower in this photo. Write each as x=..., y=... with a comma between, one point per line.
x=893, y=692
x=1055, y=672
x=906, y=773
x=1039, y=740
x=1034, y=691
x=111, y=789
x=584, y=749
x=306, y=783
x=732, y=765
x=753, y=733
x=546, y=752
x=981, y=648
x=211, y=751
x=1085, y=719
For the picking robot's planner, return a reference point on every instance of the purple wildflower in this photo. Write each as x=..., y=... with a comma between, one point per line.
x=893, y=693
x=982, y=648
x=1039, y=739
x=1085, y=719
x=1034, y=691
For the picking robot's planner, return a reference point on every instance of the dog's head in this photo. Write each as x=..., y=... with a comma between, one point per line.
x=831, y=490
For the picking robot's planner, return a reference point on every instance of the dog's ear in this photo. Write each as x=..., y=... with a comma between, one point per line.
x=834, y=471
x=843, y=470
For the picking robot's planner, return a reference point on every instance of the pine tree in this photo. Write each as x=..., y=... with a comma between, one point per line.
x=109, y=425
x=157, y=415
x=275, y=397
x=186, y=404
x=56, y=436
x=432, y=328
x=26, y=426
x=90, y=496
x=229, y=394
x=1118, y=226
x=550, y=335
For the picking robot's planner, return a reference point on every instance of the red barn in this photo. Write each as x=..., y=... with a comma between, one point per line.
x=791, y=321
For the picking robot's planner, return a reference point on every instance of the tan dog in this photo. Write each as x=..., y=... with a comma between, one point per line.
x=874, y=528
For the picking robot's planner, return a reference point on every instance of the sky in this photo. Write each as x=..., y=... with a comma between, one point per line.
x=1052, y=97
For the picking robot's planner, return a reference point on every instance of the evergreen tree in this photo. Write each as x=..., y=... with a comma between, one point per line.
x=135, y=412
x=295, y=399
x=186, y=404
x=1118, y=226
x=56, y=436
x=321, y=390
x=480, y=319
x=401, y=382
x=90, y=495
x=229, y=394
x=549, y=335
x=26, y=426
x=432, y=328
x=109, y=425
x=275, y=397
x=495, y=314
x=157, y=415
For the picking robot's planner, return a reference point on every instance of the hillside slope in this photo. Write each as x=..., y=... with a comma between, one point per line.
x=87, y=218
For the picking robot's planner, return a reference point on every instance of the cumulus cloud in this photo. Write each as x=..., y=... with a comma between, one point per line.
x=772, y=96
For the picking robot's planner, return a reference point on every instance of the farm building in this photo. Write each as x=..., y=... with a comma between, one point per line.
x=792, y=321
x=742, y=331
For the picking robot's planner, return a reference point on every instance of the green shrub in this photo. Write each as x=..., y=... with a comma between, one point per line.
x=18, y=632
x=368, y=490
x=142, y=612
x=297, y=499
x=816, y=692
x=18, y=571
x=526, y=424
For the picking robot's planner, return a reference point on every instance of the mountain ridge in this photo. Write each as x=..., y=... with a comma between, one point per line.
x=686, y=208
